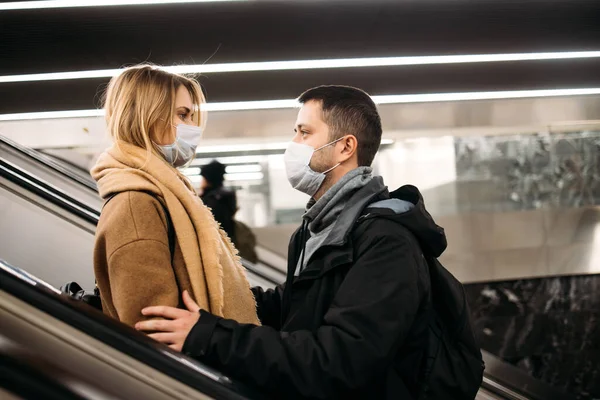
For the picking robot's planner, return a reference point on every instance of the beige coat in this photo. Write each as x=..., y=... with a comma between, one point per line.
x=132, y=261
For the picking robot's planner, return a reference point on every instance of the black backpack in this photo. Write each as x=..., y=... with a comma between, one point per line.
x=453, y=367
x=92, y=298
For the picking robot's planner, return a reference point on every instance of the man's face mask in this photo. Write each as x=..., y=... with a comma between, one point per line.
x=297, y=159
x=183, y=150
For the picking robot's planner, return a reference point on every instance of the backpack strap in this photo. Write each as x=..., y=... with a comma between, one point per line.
x=170, y=229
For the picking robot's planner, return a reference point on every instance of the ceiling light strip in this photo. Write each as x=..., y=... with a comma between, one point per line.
x=313, y=64
x=52, y=115
x=292, y=103
x=509, y=94
x=49, y=4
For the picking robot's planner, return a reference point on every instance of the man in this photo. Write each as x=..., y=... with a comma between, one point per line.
x=351, y=320
x=222, y=202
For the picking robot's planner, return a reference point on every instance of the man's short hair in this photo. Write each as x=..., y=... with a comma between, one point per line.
x=348, y=110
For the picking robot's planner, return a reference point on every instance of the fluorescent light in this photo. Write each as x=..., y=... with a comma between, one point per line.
x=250, y=105
x=55, y=76
x=509, y=94
x=250, y=176
x=229, y=160
x=292, y=103
x=314, y=64
x=191, y=171
x=195, y=178
x=38, y=5
x=242, y=147
x=51, y=115
x=233, y=169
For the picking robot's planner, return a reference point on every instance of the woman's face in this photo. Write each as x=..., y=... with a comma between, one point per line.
x=184, y=114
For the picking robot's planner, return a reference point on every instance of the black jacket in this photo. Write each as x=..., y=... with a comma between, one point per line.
x=352, y=324
x=223, y=204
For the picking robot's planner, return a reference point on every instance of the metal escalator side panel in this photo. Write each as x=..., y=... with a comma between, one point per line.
x=81, y=363
x=58, y=322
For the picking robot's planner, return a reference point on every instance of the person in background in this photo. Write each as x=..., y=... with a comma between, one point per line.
x=223, y=204
x=155, y=240
x=221, y=201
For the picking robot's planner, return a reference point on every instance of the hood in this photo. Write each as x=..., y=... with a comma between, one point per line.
x=406, y=206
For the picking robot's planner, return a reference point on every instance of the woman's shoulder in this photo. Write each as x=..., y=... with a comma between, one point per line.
x=132, y=202
x=136, y=214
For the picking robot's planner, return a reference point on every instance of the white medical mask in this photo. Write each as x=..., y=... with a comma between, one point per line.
x=300, y=175
x=183, y=150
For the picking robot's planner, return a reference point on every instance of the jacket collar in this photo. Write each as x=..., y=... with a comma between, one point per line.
x=375, y=189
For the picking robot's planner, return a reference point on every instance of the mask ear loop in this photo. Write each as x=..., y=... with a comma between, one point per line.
x=332, y=168
x=329, y=144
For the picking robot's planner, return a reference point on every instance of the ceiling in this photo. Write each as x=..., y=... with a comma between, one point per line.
x=73, y=39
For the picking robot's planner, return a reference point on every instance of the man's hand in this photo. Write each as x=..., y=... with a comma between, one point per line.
x=176, y=325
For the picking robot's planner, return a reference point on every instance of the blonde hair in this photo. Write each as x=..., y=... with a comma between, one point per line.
x=140, y=102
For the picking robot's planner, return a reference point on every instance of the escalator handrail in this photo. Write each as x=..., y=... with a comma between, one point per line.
x=256, y=271
x=512, y=383
x=500, y=390
x=48, y=162
x=62, y=200
x=47, y=192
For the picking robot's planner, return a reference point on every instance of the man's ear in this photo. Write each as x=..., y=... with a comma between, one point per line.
x=350, y=147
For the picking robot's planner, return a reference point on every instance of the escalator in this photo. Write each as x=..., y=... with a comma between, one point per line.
x=54, y=347
x=70, y=348
x=60, y=342
x=32, y=182
x=52, y=171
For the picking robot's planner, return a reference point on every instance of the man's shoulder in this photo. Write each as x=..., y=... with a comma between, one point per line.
x=373, y=227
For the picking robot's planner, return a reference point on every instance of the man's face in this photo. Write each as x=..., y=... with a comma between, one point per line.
x=313, y=131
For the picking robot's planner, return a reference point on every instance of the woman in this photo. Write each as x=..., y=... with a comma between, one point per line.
x=154, y=119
